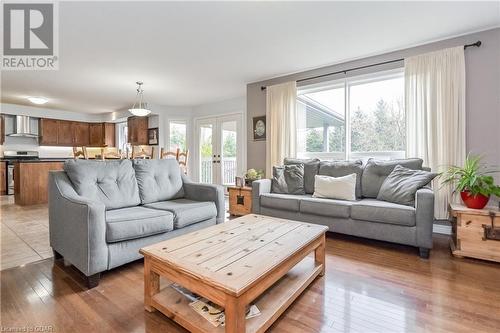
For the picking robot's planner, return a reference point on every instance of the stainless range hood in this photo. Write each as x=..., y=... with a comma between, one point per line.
x=25, y=126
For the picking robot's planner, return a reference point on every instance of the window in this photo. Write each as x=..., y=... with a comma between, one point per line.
x=177, y=135
x=370, y=124
x=122, y=131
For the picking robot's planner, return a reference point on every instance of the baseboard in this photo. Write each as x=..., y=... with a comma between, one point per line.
x=441, y=229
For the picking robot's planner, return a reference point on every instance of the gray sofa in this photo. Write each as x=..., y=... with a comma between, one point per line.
x=102, y=212
x=365, y=217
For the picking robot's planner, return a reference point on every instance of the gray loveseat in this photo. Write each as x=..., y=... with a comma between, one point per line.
x=102, y=212
x=365, y=217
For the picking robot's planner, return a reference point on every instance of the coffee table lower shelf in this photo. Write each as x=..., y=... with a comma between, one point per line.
x=271, y=304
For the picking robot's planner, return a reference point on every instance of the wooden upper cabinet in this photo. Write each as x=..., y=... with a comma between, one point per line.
x=102, y=134
x=2, y=129
x=54, y=132
x=109, y=134
x=48, y=131
x=137, y=130
x=81, y=134
x=64, y=133
x=96, y=134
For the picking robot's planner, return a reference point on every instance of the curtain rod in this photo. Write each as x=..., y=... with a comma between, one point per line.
x=476, y=44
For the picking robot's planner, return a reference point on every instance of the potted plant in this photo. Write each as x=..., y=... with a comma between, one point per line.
x=252, y=175
x=473, y=181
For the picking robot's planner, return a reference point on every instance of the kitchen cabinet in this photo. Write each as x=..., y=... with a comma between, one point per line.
x=137, y=130
x=55, y=132
x=3, y=178
x=65, y=133
x=2, y=129
x=81, y=134
x=102, y=134
x=48, y=132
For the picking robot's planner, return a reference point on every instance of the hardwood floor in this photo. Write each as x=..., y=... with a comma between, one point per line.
x=369, y=286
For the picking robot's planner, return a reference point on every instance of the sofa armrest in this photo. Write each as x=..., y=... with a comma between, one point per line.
x=424, y=206
x=206, y=192
x=77, y=226
x=259, y=187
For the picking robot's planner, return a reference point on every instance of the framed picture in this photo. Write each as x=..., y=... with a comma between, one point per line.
x=153, y=136
x=259, y=128
x=239, y=182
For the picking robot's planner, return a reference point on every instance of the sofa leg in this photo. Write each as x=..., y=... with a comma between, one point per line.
x=93, y=280
x=57, y=255
x=424, y=252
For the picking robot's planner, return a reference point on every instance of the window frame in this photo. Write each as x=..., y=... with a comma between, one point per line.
x=348, y=82
x=177, y=121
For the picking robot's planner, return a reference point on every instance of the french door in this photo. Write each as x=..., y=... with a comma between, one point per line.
x=220, y=149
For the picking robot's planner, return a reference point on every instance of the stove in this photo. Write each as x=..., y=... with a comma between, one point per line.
x=11, y=156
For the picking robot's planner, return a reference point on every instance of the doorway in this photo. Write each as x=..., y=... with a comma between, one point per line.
x=219, y=143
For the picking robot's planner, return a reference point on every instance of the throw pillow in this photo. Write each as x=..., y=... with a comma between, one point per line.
x=376, y=171
x=343, y=188
x=402, y=184
x=288, y=179
x=343, y=168
x=311, y=167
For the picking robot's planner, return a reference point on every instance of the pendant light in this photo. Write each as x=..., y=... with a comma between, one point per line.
x=139, y=108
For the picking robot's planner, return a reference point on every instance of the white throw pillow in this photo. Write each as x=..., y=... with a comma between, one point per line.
x=343, y=188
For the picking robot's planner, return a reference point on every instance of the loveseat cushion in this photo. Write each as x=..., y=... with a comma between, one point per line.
x=186, y=212
x=311, y=168
x=111, y=182
x=288, y=202
x=326, y=207
x=343, y=168
x=383, y=212
x=376, y=172
x=136, y=222
x=158, y=180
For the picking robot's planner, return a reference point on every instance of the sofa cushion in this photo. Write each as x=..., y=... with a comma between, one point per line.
x=402, y=184
x=136, y=222
x=288, y=202
x=187, y=212
x=326, y=207
x=111, y=182
x=158, y=180
x=288, y=179
x=343, y=168
x=311, y=168
x=383, y=212
x=376, y=172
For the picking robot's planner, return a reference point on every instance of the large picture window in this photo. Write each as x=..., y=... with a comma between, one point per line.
x=357, y=117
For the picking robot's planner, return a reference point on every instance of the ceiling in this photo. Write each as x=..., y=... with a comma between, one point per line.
x=191, y=53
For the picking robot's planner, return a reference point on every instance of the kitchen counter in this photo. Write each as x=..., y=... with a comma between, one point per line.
x=40, y=160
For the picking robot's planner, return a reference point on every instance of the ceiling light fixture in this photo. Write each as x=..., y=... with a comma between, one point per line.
x=139, y=108
x=38, y=100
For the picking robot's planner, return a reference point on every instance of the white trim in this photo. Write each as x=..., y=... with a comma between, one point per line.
x=441, y=229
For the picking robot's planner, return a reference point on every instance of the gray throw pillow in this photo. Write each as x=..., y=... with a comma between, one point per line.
x=376, y=171
x=311, y=168
x=288, y=179
x=402, y=184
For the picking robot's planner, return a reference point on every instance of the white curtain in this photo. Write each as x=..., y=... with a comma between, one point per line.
x=281, y=125
x=435, y=110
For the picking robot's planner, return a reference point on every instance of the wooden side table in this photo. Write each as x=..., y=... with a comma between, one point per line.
x=475, y=232
x=240, y=200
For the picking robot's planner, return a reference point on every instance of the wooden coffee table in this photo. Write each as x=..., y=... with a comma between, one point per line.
x=253, y=259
